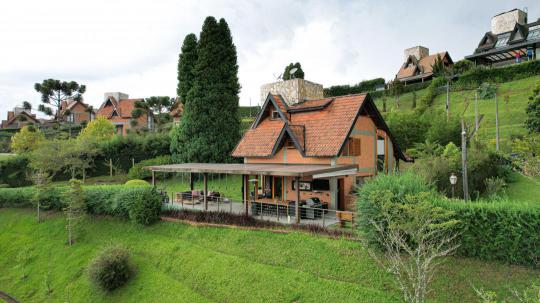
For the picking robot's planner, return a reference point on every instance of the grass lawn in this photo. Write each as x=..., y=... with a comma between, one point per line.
x=524, y=189
x=180, y=263
x=5, y=156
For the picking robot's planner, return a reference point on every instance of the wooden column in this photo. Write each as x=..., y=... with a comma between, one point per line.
x=297, y=204
x=191, y=181
x=205, y=190
x=153, y=179
x=246, y=193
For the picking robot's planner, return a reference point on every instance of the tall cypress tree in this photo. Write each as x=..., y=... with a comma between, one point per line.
x=186, y=63
x=210, y=127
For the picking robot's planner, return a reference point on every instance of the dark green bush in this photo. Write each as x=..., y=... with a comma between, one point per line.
x=146, y=207
x=13, y=171
x=111, y=269
x=397, y=186
x=502, y=230
x=362, y=87
x=137, y=171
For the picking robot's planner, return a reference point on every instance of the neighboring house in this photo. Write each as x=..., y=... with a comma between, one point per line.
x=176, y=112
x=18, y=118
x=117, y=107
x=418, y=65
x=78, y=112
x=297, y=125
x=511, y=40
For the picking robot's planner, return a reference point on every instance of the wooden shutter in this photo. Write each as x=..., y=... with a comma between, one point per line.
x=355, y=146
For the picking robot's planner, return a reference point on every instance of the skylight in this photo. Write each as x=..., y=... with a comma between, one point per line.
x=502, y=40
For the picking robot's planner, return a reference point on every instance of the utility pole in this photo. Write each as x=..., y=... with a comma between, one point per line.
x=464, y=161
x=447, y=100
x=497, y=121
x=475, y=112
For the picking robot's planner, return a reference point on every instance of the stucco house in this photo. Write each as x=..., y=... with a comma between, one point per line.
x=117, y=108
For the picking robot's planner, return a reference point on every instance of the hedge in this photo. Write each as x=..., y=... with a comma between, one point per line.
x=503, y=230
x=476, y=76
x=140, y=204
x=13, y=171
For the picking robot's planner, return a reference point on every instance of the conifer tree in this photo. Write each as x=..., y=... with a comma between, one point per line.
x=298, y=74
x=186, y=64
x=210, y=126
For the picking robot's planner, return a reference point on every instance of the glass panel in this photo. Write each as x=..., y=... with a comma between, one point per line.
x=278, y=188
x=534, y=34
x=502, y=40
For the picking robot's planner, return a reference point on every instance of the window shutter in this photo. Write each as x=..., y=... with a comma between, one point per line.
x=355, y=147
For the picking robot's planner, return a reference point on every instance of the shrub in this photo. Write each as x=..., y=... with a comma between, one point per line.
x=533, y=111
x=475, y=76
x=432, y=91
x=146, y=207
x=111, y=268
x=137, y=182
x=137, y=171
x=395, y=187
x=362, y=87
x=13, y=171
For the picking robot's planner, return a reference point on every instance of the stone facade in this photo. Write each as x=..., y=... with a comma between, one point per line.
x=293, y=91
x=505, y=22
x=116, y=95
x=418, y=51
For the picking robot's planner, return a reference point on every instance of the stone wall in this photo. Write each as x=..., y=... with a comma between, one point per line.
x=418, y=51
x=293, y=91
x=505, y=22
x=116, y=95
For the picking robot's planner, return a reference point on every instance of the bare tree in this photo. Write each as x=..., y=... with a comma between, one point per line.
x=74, y=209
x=414, y=237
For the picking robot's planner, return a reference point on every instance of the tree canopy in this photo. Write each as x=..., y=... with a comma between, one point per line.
x=54, y=92
x=532, y=123
x=98, y=130
x=298, y=74
x=210, y=126
x=186, y=65
x=157, y=106
x=26, y=139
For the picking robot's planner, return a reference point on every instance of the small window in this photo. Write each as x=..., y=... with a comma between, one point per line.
x=275, y=115
x=289, y=144
x=353, y=147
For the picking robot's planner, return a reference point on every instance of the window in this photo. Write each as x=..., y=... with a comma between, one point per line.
x=534, y=34
x=150, y=121
x=92, y=116
x=353, y=147
x=502, y=40
x=289, y=144
x=71, y=118
x=275, y=115
x=320, y=184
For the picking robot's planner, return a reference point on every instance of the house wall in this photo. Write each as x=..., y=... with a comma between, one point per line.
x=80, y=114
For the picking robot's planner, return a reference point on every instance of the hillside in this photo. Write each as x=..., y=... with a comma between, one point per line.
x=179, y=263
x=511, y=114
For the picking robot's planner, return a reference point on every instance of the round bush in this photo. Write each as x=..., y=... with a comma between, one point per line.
x=111, y=268
x=146, y=207
x=137, y=182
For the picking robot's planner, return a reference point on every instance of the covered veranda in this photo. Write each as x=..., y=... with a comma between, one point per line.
x=254, y=174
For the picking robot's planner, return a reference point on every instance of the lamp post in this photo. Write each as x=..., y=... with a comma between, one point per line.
x=453, y=181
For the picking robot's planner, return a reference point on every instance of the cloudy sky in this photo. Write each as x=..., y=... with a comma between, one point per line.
x=132, y=46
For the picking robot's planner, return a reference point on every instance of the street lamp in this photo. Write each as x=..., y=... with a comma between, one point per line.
x=453, y=181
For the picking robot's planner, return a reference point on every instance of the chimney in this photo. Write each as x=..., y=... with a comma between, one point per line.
x=10, y=115
x=505, y=22
x=293, y=91
x=116, y=95
x=417, y=51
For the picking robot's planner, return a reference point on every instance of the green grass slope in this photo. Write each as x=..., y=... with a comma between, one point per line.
x=179, y=263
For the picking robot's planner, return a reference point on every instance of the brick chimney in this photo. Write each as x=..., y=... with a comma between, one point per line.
x=293, y=91
x=505, y=22
x=10, y=115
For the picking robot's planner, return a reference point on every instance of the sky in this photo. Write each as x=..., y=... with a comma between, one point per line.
x=132, y=46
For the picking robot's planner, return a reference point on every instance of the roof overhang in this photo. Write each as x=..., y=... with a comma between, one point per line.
x=292, y=170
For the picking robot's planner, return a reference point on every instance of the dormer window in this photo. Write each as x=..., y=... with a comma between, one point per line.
x=275, y=115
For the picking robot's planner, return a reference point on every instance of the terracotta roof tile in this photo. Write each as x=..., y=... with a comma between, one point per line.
x=423, y=66
x=260, y=141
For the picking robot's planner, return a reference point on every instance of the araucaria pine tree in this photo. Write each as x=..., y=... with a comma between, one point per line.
x=186, y=65
x=210, y=126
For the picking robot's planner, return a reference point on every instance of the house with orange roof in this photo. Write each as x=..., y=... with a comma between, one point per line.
x=18, y=118
x=418, y=65
x=75, y=111
x=118, y=107
x=298, y=126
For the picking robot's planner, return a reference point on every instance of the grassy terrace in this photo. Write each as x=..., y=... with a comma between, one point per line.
x=180, y=263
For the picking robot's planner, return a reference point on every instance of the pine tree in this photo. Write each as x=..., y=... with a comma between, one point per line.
x=210, y=126
x=186, y=64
